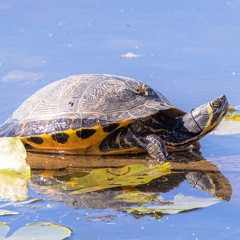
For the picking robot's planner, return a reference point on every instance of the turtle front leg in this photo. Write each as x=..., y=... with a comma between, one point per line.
x=154, y=145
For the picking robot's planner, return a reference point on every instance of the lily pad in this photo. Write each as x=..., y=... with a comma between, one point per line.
x=37, y=231
x=180, y=203
x=4, y=212
x=231, y=122
x=14, y=172
x=13, y=155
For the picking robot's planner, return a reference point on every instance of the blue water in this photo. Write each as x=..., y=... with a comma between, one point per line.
x=188, y=50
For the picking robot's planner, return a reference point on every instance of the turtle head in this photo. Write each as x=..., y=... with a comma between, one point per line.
x=205, y=118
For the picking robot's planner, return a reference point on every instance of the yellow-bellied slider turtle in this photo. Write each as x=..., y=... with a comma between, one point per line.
x=97, y=114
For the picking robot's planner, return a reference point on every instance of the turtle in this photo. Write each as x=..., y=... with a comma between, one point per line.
x=101, y=114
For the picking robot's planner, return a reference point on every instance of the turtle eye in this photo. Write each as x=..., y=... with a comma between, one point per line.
x=215, y=104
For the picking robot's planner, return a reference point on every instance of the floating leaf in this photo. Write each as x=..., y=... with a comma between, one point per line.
x=19, y=203
x=13, y=155
x=180, y=203
x=104, y=178
x=7, y=212
x=233, y=117
x=231, y=122
x=14, y=172
x=37, y=231
x=4, y=212
x=227, y=127
x=233, y=114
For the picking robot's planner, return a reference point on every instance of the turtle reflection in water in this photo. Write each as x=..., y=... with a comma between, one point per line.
x=96, y=114
x=198, y=172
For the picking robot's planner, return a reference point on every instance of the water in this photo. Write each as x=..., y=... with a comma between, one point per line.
x=188, y=50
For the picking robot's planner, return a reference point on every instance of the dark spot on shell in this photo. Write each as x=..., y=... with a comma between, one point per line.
x=110, y=127
x=36, y=140
x=85, y=133
x=60, y=137
x=71, y=103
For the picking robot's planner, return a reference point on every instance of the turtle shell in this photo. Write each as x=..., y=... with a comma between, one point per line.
x=78, y=111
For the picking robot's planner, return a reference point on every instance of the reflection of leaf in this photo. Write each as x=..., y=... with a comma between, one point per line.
x=104, y=178
x=13, y=185
x=37, y=231
x=180, y=203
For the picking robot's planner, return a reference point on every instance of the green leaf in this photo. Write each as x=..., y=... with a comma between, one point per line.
x=231, y=122
x=180, y=203
x=20, y=203
x=227, y=127
x=37, y=231
x=14, y=172
x=104, y=178
x=13, y=155
x=4, y=212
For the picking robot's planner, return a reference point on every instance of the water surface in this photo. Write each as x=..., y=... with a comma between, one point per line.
x=187, y=50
